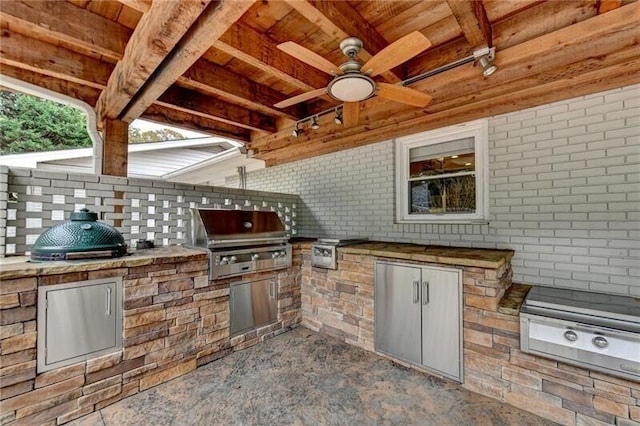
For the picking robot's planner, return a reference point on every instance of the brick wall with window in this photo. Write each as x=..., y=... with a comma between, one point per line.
x=563, y=193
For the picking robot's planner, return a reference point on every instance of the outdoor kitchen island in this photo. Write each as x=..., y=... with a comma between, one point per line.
x=173, y=320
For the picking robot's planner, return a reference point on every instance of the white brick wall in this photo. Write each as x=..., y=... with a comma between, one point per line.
x=564, y=193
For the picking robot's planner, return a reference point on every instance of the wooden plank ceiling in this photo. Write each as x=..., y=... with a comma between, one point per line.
x=214, y=66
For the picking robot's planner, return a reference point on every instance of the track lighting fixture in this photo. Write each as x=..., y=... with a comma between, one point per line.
x=296, y=132
x=338, y=119
x=314, y=123
x=485, y=58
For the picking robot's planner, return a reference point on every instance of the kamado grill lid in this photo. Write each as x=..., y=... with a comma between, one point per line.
x=82, y=237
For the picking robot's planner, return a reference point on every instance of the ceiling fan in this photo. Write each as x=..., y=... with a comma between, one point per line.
x=353, y=80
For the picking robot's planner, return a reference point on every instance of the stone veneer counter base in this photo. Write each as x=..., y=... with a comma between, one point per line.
x=174, y=320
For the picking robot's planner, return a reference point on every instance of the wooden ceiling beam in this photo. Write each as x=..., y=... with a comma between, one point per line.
x=586, y=83
x=203, y=75
x=213, y=79
x=587, y=39
x=226, y=112
x=175, y=116
x=34, y=55
x=209, y=26
x=66, y=22
x=139, y=5
x=157, y=33
x=472, y=18
x=75, y=90
x=604, y=6
x=156, y=113
x=258, y=50
x=340, y=20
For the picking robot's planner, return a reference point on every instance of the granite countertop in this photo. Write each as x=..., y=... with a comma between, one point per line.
x=461, y=256
x=513, y=298
x=20, y=266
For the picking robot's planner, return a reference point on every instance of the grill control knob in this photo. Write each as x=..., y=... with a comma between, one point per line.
x=600, y=342
x=570, y=335
x=255, y=256
x=283, y=254
x=233, y=259
x=224, y=260
x=274, y=254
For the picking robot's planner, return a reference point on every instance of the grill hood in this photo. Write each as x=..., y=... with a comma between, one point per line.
x=213, y=228
x=81, y=237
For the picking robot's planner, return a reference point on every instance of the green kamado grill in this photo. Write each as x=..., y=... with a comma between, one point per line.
x=82, y=237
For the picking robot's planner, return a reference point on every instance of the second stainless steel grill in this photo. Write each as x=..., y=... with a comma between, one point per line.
x=592, y=330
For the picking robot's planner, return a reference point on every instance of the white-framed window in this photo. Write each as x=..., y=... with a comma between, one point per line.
x=442, y=176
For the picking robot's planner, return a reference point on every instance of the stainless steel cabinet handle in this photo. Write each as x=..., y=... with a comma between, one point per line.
x=272, y=286
x=570, y=335
x=108, y=300
x=600, y=342
x=416, y=291
x=425, y=293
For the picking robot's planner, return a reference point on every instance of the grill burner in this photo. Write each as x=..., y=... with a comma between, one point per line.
x=324, y=253
x=239, y=241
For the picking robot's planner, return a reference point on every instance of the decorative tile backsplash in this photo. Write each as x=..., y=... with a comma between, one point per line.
x=152, y=210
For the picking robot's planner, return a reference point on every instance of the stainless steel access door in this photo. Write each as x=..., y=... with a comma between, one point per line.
x=253, y=303
x=397, y=306
x=441, y=303
x=78, y=321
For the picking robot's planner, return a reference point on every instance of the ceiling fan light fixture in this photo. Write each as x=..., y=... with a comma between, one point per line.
x=351, y=88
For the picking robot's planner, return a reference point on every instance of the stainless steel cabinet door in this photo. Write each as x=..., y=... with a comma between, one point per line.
x=397, y=306
x=441, y=302
x=81, y=320
x=253, y=303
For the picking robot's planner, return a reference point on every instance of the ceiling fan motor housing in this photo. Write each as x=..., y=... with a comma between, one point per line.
x=350, y=46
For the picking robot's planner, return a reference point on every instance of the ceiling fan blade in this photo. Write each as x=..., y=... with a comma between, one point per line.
x=396, y=53
x=308, y=57
x=301, y=98
x=402, y=94
x=350, y=113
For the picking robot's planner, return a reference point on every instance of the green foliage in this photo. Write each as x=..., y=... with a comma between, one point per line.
x=29, y=124
x=138, y=136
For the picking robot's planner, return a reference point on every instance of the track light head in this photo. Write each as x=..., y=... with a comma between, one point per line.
x=488, y=67
x=338, y=118
x=484, y=56
x=314, y=123
x=296, y=132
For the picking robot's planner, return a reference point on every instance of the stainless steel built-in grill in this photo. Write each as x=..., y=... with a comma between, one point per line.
x=239, y=241
x=324, y=253
x=243, y=242
x=592, y=330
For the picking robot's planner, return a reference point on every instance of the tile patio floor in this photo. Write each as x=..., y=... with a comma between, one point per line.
x=304, y=378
